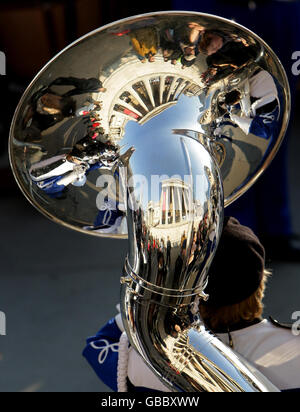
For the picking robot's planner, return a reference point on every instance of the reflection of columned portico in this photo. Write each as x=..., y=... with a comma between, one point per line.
x=139, y=99
x=172, y=214
x=175, y=202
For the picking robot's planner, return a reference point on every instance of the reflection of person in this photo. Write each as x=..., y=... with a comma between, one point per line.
x=81, y=86
x=183, y=241
x=170, y=48
x=145, y=43
x=225, y=55
x=187, y=36
x=53, y=175
x=179, y=43
x=168, y=261
x=161, y=269
x=46, y=109
x=210, y=42
x=236, y=288
x=264, y=107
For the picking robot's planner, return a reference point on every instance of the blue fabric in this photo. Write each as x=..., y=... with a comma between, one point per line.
x=264, y=126
x=107, y=217
x=102, y=354
x=51, y=186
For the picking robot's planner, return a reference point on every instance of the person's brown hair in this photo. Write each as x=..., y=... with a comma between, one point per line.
x=223, y=317
x=204, y=42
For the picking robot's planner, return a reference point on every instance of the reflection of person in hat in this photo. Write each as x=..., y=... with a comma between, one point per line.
x=236, y=286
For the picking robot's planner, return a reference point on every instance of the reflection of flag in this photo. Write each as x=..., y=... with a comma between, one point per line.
x=131, y=113
x=164, y=201
x=120, y=33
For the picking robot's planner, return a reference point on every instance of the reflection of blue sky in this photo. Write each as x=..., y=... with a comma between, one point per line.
x=160, y=152
x=157, y=140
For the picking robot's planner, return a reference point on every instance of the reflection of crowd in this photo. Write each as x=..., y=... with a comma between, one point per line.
x=55, y=174
x=225, y=52
x=178, y=44
x=159, y=256
x=155, y=252
x=175, y=43
x=203, y=238
x=49, y=106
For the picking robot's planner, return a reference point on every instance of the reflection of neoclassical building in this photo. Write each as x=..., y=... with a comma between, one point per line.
x=175, y=206
x=175, y=202
x=153, y=213
x=140, y=98
x=175, y=209
x=144, y=98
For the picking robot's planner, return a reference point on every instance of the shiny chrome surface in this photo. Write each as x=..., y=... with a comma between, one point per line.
x=165, y=275
x=147, y=77
x=175, y=344
x=172, y=241
x=145, y=129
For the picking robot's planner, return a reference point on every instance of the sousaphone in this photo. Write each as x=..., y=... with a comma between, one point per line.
x=146, y=129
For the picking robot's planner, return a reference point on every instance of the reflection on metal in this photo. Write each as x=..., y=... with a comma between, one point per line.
x=146, y=97
x=174, y=202
x=205, y=75
x=145, y=129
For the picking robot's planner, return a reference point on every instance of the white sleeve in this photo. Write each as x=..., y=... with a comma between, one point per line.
x=263, y=101
x=141, y=375
x=243, y=122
